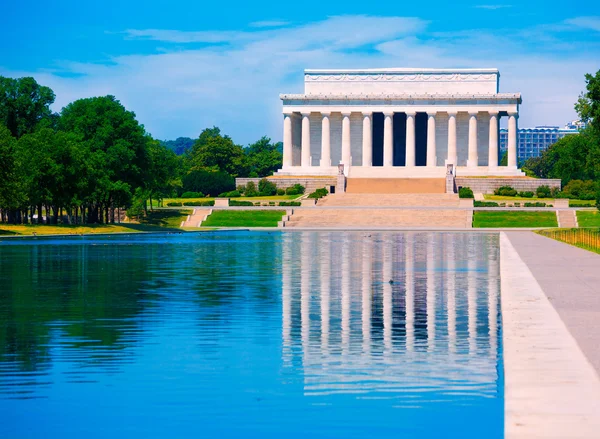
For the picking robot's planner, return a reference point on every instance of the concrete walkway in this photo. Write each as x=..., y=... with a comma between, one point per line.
x=570, y=277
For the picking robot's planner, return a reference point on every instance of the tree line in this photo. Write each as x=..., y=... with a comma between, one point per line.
x=93, y=159
x=575, y=157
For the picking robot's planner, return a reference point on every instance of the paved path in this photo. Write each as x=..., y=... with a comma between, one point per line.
x=570, y=277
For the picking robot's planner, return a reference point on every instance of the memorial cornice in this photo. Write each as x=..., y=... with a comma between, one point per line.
x=401, y=97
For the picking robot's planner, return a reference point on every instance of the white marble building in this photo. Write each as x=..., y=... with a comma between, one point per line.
x=398, y=123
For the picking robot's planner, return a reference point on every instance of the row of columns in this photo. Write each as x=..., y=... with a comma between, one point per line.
x=388, y=140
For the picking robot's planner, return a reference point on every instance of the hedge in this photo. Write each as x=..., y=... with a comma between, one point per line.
x=199, y=203
x=485, y=204
x=240, y=203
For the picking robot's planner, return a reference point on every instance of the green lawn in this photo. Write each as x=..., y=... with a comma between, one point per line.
x=499, y=219
x=588, y=218
x=244, y=218
x=156, y=221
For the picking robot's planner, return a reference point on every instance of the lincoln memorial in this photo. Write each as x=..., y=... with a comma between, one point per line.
x=399, y=123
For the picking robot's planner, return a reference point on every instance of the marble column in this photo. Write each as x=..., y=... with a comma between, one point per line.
x=346, y=152
x=473, y=159
x=325, y=141
x=431, y=145
x=287, y=140
x=452, y=158
x=388, y=139
x=512, y=140
x=493, y=147
x=305, y=157
x=410, y=140
x=367, y=143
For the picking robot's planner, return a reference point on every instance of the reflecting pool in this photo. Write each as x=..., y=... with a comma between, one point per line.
x=251, y=334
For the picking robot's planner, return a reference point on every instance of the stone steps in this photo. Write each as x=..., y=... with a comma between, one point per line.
x=391, y=200
x=196, y=218
x=567, y=218
x=379, y=218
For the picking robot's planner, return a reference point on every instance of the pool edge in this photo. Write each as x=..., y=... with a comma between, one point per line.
x=551, y=389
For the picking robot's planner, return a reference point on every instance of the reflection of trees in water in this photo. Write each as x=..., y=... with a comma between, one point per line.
x=87, y=294
x=98, y=300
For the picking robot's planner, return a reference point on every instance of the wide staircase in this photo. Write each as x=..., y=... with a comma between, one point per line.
x=567, y=218
x=383, y=210
x=390, y=200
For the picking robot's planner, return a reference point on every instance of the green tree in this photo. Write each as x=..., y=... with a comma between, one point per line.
x=217, y=152
x=588, y=104
x=117, y=145
x=264, y=157
x=24, y=104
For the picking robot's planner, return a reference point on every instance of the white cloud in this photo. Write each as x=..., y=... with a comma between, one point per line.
x=493, y=7
x=234, y=79
x=592, y=23
x=269, y=23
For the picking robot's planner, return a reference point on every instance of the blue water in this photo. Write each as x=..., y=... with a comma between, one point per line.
x=308, y=335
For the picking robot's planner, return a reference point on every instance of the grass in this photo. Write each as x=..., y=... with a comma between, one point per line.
x=501, y=219
x=587, y=239
x=244, y=218
x=491, y=197
x=588, y=218
x=156, y=221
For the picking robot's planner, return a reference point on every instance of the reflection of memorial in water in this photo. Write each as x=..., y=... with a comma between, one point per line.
x=379, y=312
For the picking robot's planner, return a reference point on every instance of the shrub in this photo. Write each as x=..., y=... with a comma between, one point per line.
x=485, y=204
x=505, y=191
x=280, y=191
x=271, y=203
x=250, y=189
x=465, y=192
x=266, y=187
x=240, y=203
x=208, y=182
x=296, y=189
x=190, y=194
x=598, y=199
x=583, y=190
x=199, y=203
x=526, y=194
x=536, y=204
x=543, y=191
x=289, y=203
x=136, y=210
x=319, y=193
x=577, y=204
x=174, y=204
x=518, y=204
x=241, y=188
x=232, y=194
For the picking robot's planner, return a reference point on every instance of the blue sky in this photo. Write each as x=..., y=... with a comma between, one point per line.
x=183, y=66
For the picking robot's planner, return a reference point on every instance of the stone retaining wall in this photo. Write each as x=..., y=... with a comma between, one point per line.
x=488, y=185
x=310, y=183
